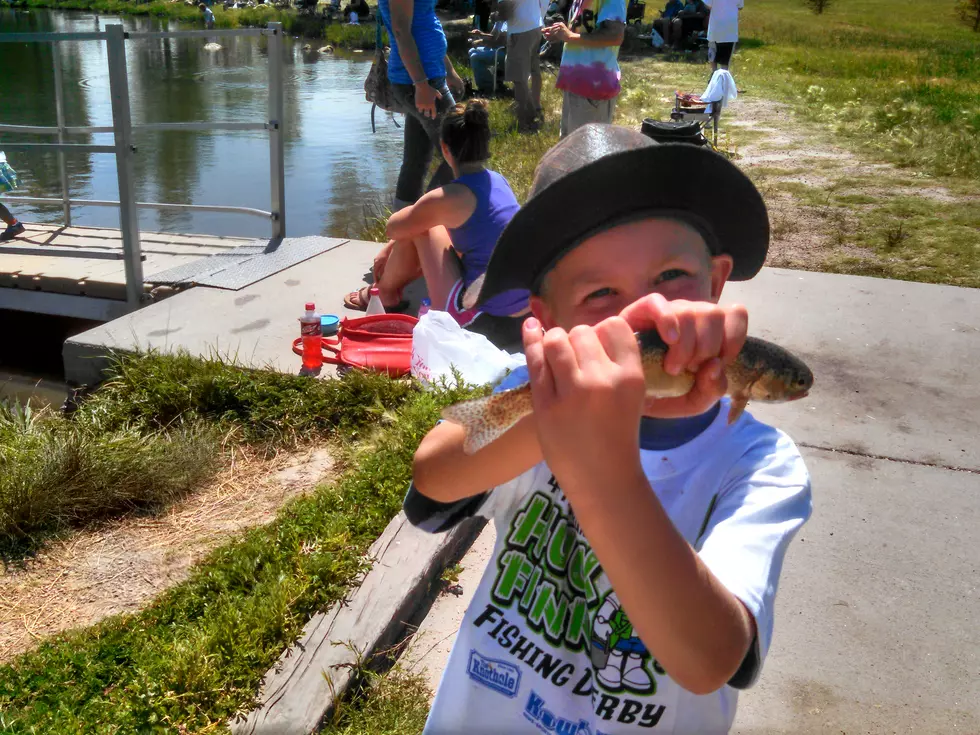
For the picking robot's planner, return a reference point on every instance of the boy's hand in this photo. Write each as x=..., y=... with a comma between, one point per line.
x=587, y=388
x=703, y=338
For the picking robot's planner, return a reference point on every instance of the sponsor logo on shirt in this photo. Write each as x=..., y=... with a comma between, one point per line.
x=547, y=721
x=498, y=675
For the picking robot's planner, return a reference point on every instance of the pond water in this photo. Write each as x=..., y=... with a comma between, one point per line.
x=336, y=169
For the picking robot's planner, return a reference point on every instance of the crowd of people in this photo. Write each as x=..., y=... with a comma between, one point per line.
x=445, y=230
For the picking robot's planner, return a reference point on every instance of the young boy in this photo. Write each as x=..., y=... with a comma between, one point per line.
x=589, y=71
x=639, y=541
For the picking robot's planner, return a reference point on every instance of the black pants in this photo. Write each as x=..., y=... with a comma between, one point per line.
x=481, y=10
x=421, y=141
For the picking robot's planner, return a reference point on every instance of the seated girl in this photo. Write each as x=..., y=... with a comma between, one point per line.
x=447, y=236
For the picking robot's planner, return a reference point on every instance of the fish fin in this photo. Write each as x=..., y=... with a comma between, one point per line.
x=738, y=406
x=484, y=419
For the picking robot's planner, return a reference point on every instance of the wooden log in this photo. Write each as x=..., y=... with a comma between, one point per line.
x=309, y=677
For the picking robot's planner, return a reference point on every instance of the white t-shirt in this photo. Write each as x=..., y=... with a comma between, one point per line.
x=526, y=16
x=723, y=20
x=545, y=646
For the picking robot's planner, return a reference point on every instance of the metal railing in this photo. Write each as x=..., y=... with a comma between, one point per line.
x=122, y=129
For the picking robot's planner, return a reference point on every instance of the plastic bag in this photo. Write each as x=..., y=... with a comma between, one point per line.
x=439, y=344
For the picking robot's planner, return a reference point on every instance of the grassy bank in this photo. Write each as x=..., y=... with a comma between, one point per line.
x=195, y=656
x=154, y=432
x=887, y=75
x=294, y=23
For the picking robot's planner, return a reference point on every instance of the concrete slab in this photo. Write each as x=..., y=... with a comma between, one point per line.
x=255, y=325
x=429, y=648
x=876, y=617
x=895, y=363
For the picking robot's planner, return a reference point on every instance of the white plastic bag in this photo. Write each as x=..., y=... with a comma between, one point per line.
x=656, y=40
x=439, y=344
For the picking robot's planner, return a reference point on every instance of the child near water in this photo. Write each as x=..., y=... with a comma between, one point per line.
x=639, y=541
x=208, y=16
x=8, y=182
x=447, y=236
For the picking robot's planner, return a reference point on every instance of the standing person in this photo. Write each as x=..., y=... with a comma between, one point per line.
x=208, y=16
x=8, y=182
x=450, y=233
x=421, y=75
x=723, y=31
x=523, y=61
x=640, y=540
x=589, y=72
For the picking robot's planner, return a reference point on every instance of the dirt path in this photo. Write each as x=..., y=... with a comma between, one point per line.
x=123, y=565
x=833, y=210
x=833, y=205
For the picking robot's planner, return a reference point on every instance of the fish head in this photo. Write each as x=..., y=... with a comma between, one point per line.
x=783, y=377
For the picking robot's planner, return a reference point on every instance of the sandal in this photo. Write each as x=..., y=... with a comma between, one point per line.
x=355, y=300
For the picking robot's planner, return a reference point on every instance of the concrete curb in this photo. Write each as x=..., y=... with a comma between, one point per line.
x=300, y=690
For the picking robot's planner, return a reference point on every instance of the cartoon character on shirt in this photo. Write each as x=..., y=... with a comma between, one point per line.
x=618, y=655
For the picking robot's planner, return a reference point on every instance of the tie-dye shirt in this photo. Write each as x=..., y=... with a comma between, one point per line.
x=591, y=72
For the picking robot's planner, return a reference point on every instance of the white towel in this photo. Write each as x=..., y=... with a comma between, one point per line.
x=721, y=88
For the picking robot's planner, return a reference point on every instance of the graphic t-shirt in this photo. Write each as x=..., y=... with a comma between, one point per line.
x=591, y=72
x=723, y=21
x=545, y=646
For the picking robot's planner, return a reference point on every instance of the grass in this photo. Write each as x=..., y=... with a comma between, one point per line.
x=154, y=432
x=55, y=473
x=885, y=75
x=196, y=655
x=294, y=23
x=395, y=703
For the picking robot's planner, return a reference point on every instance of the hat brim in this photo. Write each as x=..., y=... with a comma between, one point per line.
x=675, y=179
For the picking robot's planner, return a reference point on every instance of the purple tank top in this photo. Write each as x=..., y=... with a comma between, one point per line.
x=476, y=238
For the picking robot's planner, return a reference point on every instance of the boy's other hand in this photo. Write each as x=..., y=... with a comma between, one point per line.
x=587, y=388
x=703, y=338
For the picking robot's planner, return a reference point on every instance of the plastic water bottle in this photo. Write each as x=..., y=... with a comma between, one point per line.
x=374, y=302
x=424, y=307
x=309, y=325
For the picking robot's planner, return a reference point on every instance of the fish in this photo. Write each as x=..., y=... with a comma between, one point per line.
x=762, y=371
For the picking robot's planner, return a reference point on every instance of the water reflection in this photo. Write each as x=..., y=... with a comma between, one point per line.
x=334, y=164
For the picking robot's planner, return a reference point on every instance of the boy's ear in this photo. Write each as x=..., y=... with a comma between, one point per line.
x=721, y=269
x=542, y=312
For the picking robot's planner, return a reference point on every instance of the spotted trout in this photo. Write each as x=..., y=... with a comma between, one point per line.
x=761, y=372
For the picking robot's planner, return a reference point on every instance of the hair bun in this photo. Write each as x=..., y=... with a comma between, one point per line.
x=477, y=113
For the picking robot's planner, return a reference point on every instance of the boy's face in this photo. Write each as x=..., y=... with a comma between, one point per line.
x=611, y=270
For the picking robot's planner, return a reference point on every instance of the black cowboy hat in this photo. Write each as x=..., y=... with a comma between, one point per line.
x=601, y=176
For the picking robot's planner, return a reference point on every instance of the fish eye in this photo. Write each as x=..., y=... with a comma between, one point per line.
x=800, y=382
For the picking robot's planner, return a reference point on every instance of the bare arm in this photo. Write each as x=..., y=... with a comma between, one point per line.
x=449, y=206
x=699, y=630
x=609, y=33
x=443, y=472
x=402, y=12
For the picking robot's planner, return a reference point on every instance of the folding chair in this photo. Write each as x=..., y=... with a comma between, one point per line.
x=699, y=113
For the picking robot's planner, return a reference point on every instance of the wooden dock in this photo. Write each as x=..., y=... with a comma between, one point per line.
x=87, y=261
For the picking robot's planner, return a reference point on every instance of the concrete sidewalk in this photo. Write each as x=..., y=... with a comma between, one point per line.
x=878, y=615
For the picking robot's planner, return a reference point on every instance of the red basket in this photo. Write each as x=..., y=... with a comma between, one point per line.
x=381, y=343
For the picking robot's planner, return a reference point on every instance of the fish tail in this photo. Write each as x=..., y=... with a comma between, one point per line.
x=487, y=419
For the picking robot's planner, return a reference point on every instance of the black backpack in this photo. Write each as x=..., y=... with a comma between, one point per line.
x=673, y=131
